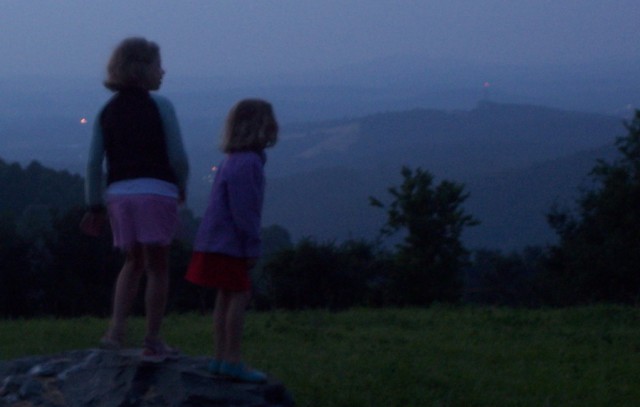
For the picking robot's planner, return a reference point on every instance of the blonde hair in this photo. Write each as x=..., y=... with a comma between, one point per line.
x=250, y=125
x=131, y=64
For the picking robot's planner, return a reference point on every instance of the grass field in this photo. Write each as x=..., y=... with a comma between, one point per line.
x=441, y=356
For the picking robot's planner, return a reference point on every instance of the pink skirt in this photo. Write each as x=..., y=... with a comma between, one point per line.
x=142, y=219
x=215, y=270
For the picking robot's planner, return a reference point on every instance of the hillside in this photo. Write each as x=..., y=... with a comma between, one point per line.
x=511, y=205
x=491, y=137
x=515, y=160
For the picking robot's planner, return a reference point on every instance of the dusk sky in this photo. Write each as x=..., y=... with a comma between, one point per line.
x=218, y=38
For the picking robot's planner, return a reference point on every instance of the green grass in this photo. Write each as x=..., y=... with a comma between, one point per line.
x=439, y=356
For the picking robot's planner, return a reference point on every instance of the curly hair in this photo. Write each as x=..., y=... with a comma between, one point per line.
x=131, y=64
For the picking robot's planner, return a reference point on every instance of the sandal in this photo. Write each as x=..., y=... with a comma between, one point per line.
x=156, y=351
x=107, y=343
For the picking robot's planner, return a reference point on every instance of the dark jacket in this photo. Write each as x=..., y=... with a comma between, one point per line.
x=134, y=138
x=231, y=223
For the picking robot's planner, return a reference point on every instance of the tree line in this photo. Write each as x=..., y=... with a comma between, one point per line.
x=48, y=268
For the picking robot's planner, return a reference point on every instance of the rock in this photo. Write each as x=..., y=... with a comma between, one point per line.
x=101, y=378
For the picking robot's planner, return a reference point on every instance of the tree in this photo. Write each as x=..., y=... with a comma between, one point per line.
x=505, y=279
x=322, y=275
x=275, y=238
x=431, y=255
x=82, y=271
x=37, y=185
x=598, y=254
x=14, y=269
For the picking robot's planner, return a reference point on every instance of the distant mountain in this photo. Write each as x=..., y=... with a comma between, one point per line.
x=514, y=158
x=516, y=161
x=489, y=138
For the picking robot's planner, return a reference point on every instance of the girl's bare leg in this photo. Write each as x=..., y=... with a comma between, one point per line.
x=237, y=307
x=125, y=292
x=157, y=289
x=230, y=327
x=220, y=323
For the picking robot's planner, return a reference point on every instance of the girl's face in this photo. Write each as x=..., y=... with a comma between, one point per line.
x=156, y=74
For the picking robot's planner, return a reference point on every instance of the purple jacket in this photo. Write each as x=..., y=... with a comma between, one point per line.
x=231, y=223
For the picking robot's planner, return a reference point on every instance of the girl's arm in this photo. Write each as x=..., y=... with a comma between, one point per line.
x=175, y=148
x=246, y=193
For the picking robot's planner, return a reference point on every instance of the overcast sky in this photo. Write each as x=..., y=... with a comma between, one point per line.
x=215, y=38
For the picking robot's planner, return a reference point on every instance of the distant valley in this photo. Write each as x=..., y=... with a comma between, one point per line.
x=515, y=159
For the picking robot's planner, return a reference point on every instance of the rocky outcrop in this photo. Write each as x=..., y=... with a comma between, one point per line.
x=100, y=378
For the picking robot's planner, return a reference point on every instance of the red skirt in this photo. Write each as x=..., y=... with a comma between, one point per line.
x=216, y=270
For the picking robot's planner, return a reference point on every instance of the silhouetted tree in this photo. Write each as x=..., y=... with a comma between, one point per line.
x=598, y=255
x=321, y=275
x=82, y=271
x=14, y=269
x=505, y=279
x=275, y=238
x=38, y=185
x=429, y=260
